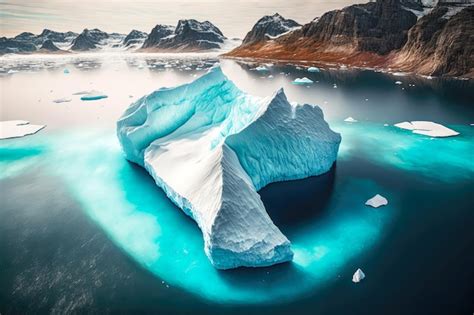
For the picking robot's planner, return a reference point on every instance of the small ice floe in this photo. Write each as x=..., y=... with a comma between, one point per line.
x=66, y=71
x=270, y=76
x=334, y=86
x=377, y=201
x=343, y=67
x=304, y=80
x=351, y=120
x=91, y=95
x=261, y=68
x=299, y=68
x=62, y=100
x=313, y=69
x=358, y=276
x=17, y=128
x=12, y=71
x=427, y=128
x=398, y=82
x=385, y=125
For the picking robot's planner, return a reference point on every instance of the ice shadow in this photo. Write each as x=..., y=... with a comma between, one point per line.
x=292, y=203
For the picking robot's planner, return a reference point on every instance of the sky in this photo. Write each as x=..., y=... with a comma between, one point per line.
x=233, y=17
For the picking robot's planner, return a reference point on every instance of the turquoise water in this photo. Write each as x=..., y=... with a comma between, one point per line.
x=428, y=182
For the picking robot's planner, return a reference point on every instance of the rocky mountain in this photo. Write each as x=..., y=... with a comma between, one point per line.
x=134, y=38
x=89, y=40
x=189, y=35
x=441, y=43
x=269, y=27
x=48, y=45
x=157, y=34
x=413, y=35
x=9, y=45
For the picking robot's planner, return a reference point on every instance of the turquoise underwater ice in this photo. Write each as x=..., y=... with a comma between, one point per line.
x=137, y=216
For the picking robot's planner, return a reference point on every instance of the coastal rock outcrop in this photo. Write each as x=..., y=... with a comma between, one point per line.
x=430, y=38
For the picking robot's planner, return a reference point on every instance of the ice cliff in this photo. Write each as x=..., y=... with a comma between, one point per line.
x=211, y=147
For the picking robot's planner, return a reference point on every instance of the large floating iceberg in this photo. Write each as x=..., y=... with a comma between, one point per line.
x=211, y=147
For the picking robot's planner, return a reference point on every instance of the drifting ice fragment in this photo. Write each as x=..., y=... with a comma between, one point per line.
x=351, y=120
x=261, y=68
x=358, y=276
x=62, y=100
x=199, y=142
x=427, y=128
x=93, y=97
x=313, y=69
x=377, y=201
x=398, y=82
x=17, y=128
x=66, y=71
x=304, y=80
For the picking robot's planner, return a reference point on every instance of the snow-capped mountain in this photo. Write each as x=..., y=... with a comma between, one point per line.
x=134, y=39
x=269, y=27
x=189, y=35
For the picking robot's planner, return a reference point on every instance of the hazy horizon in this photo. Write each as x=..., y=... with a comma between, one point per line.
x=233, y=18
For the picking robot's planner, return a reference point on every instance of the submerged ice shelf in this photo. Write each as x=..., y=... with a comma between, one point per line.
x=211, y=147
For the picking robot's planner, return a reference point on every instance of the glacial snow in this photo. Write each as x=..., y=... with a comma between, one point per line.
x=211, y=147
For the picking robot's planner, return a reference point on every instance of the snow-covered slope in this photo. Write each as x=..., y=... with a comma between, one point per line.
x=210, y=147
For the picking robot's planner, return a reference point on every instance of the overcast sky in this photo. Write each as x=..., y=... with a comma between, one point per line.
x=233, y=17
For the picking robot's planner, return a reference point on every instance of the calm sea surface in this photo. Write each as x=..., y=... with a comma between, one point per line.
x=82, y=230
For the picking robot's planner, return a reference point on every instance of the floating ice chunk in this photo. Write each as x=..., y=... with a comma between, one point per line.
x=304, y=80
x=334, y=86
x=270, y=76
x=313, y=69
x=199, y=142
x=18, y=128
x=351, y=120
x=398, y=82
x=377, y=201
x=12, y=71
x=358, y=276
x=66, y=71
x=261, y=68
x=62, y=100
x=93, y=96
x=427, y=128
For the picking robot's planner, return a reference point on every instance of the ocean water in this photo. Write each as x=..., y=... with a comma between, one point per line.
x=83, y=230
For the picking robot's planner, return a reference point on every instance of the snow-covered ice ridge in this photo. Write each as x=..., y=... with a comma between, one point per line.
x=211, y=147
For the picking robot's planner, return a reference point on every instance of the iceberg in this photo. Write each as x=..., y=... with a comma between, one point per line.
x=304, y=80
x=427, y=128
x=313, y=69
x=261, y=68
x=93, y=96
x=377, y=201
x=211, y=147
x=358, y=276
x=62, y=100
x=17, y=128
x=351, y=120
